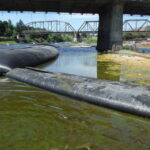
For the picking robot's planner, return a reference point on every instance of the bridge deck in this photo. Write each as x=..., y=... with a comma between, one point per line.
x=73, y=6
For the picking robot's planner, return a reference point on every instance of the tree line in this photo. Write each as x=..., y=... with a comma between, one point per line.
x=7, y=29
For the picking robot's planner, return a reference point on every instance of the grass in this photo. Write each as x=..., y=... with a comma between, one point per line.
x=8, y=42
x=91, y=40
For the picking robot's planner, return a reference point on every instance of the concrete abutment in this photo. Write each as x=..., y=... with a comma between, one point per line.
x=110, y=27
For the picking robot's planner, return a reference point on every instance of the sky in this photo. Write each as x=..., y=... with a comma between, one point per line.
x=75, y=19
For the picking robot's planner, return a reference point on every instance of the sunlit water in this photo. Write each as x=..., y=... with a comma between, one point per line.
x=34, y=119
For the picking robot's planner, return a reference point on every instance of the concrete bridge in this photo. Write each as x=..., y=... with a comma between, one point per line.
x=110, y=12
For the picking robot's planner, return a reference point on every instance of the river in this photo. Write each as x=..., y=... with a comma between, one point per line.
x=35, y=119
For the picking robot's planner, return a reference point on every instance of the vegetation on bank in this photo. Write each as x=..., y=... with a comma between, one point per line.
x=135, y=36
x=8, y=42
x=114, y=67
x=7, y=29
x=91, y=40
x=130, y=48
x=48, y=38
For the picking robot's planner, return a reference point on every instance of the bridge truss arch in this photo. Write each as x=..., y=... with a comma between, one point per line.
x=136, y=25
x=54, y=26
x=89, y=27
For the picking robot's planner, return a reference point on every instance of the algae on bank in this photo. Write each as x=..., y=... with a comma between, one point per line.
x=126, y=67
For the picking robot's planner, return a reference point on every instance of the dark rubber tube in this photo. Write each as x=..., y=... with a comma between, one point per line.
x=133, y=99
x=30, y=56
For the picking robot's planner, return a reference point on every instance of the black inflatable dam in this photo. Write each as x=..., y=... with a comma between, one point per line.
x=29, y=56
x=133, y=99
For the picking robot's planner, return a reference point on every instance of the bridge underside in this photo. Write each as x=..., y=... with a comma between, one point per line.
x=110, y=11
x=74, y=6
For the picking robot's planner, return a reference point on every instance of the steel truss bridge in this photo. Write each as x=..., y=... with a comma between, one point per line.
x=55, y=26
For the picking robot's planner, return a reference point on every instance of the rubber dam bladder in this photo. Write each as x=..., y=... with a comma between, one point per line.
x=23, y=57
x=128, y=98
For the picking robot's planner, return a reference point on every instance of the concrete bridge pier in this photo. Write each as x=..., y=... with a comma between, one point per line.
x=110, y=27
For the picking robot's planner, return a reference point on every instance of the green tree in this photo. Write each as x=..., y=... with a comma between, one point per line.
x=2, y=28
x=147, y=28
x=9, y=29
x=20, y=26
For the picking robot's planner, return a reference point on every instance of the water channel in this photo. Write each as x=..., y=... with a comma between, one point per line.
x=34, y=119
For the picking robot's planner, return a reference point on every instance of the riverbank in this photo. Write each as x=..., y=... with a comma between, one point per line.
x=8, y=42
x=126, y=66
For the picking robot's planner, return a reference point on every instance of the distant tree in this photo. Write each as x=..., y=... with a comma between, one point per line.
x=2, y=28
x=20, y=26
x=6, y=28
x=14, y=33
x=9, y=29
x=128, y=36
x=84, y=35
x=147, y=28
x=28, y=38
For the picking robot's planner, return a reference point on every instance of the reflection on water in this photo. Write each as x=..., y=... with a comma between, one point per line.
x=124, y=67
x=34, y=119
x=79, y=61
x=108, y=71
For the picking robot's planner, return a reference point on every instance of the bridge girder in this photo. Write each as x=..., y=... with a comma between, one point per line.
x=79, y=6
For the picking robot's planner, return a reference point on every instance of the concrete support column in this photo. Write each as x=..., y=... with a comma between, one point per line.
x=110, y=27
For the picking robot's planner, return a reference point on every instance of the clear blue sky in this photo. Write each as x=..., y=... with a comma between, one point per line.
x=75, y=19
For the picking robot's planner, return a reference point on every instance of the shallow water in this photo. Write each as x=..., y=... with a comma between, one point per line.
x=34, y=119
x=144, y=49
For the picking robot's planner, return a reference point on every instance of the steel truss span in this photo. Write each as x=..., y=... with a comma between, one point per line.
x=56, y=26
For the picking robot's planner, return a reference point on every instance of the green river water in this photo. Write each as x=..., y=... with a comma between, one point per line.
x=35, y=119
